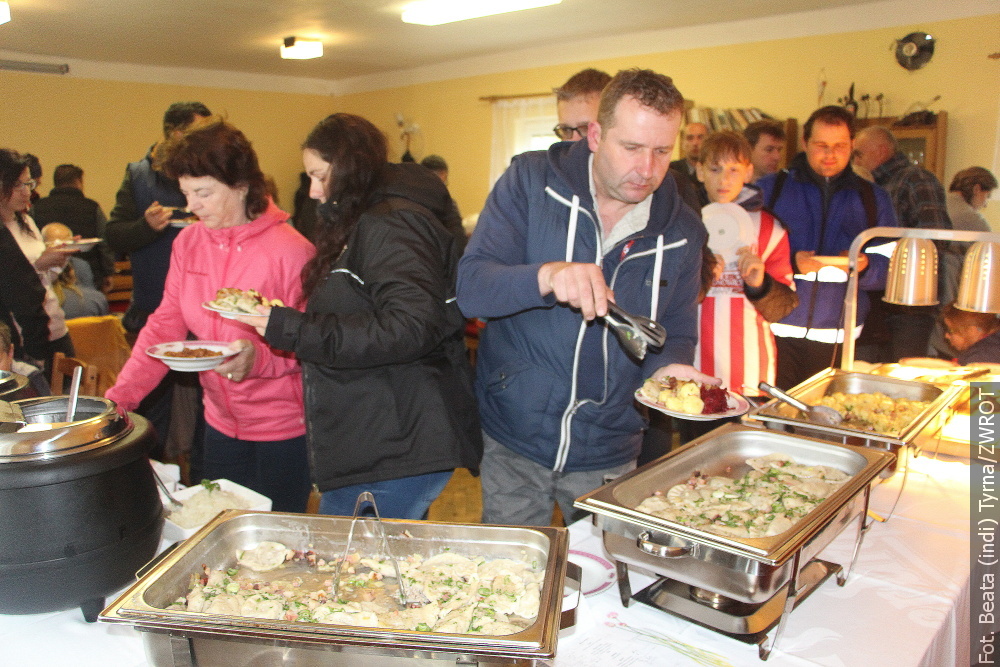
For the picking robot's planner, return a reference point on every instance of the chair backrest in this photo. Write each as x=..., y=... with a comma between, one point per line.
x=100, y=341
x=62, y=369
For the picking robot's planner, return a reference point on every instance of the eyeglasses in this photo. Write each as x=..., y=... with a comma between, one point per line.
x=30, y=184
x=565, y=132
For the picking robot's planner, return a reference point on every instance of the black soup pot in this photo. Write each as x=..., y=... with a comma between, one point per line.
x=79, y=509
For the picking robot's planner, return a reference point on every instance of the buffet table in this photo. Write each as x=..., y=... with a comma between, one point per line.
x=906, y=602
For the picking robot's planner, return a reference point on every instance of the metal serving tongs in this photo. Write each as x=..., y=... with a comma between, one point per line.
x=363, y=498
x=635, y=332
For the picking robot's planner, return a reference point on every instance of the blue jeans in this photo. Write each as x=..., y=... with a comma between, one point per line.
x=404, y=498
x=278, y=469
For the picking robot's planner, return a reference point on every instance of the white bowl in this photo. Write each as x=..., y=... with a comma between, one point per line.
x=191, y=364
x=174, y=533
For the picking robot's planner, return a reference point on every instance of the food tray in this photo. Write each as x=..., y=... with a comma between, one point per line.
x=778, y=415
x=227, y=640
x=749, y=569
x=172, y=532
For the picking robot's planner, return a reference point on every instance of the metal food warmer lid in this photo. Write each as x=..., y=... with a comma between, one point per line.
x=723, y=452
x=144, y=604
x=41, y=431
x=832, y=380
x=11, y=382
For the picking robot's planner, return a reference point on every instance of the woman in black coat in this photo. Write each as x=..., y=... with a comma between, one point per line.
x=389, y=400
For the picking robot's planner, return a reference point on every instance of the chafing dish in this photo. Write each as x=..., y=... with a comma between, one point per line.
x=740, y=586
x=777, y=415
x=182, y=638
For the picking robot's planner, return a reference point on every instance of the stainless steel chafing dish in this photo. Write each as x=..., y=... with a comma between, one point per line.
x=741, y=587
x=780, y=416
x=183, y=638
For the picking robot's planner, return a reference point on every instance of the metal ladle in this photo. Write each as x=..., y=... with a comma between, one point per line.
x=819, y=414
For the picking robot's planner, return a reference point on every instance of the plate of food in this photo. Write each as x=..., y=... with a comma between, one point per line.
x=74, y=244
x=231, y=302
x=192, y=356
x=687, y=399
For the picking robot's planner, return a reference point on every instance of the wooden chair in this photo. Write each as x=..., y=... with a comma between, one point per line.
x=63, y=367
x=100, y=342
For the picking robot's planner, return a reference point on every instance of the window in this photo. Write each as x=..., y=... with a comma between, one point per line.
x=519, y=125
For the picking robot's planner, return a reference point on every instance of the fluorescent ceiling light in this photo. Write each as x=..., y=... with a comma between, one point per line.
x=301, y=49
x=436, y=12
x=4, y=12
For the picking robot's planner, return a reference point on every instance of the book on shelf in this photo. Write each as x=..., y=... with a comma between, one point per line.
x=715, y=119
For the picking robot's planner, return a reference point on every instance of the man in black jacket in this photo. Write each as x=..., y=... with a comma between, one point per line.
x=67, y=204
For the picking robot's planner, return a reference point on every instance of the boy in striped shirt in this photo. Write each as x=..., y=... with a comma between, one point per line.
x=753, y=284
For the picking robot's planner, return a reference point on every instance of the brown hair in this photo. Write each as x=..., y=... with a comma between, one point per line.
x=650, y=89
x=987, y=322
x=767, y=126
x=585, y=82
x=829, y=115
x=964, y=181
x=357, y=152
x=724, y=144
x=216, y=148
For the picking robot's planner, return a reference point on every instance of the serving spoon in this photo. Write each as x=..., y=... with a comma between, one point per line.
x=820, y=414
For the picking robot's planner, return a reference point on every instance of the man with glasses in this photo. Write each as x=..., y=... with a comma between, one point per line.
x=824, y=206
x=576, y=103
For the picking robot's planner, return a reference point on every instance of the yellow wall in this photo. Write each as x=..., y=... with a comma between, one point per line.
x=780, y=77
x=102, y=125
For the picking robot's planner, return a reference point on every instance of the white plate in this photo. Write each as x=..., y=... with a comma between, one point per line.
x=598, y=572
x=191, y=364
x=81, y=245
x=228, y=314
x=729, y=228
x=737, y=406
x=173, y=532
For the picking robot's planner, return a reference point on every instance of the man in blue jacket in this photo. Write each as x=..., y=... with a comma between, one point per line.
x=824, y=206
x=563, y=232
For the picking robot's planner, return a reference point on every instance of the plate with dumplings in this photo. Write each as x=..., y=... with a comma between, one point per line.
x=687, y=399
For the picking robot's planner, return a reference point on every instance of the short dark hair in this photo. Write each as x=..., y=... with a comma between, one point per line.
x=767, y=126
x=650, y=89
x=829, y=115
x=66, y=174
x=988, y=322
x=964, y=181
x=218, y=149
x=585, y=82
x=724, y=144
x=435, y=163
x=181, y=114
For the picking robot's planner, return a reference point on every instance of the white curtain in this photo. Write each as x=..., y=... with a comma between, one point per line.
x=520, y=124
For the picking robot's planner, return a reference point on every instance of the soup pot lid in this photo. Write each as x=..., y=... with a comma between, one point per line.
x=43, y=433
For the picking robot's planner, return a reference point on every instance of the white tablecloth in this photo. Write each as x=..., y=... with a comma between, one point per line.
x=906, y=603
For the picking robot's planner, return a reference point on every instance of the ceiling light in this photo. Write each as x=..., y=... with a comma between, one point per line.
x=301, y=49
x=4, y=12
x=436, y=12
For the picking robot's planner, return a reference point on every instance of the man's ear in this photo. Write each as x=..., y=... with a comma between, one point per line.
x=593, y=136
x=699, y=170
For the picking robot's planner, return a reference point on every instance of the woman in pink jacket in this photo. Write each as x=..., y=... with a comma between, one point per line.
x=255, y=432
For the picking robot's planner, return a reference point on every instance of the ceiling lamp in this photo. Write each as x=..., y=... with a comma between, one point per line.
x=301, y=49
x=436, y=12
x=4, y=12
